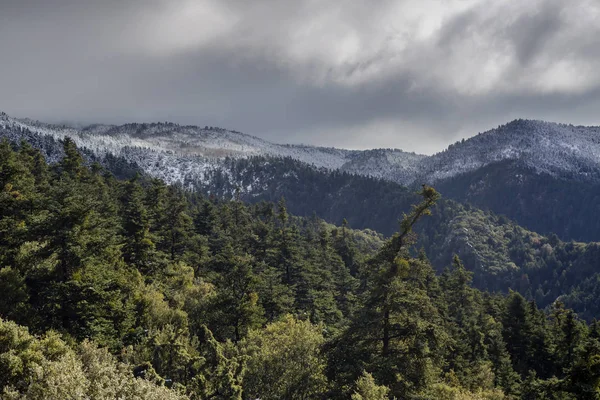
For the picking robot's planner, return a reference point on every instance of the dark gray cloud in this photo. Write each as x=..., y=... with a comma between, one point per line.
x=358, y=74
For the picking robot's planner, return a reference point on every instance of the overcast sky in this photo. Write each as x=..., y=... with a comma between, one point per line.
x=416, y=75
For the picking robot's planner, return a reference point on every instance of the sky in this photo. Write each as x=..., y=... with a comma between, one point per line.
x=416, y=75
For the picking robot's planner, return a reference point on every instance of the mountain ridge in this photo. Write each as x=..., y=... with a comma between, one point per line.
x=548, y=147
x=502, y=254
x=535, y=167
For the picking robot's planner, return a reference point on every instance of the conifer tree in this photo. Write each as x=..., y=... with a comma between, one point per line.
x=139, y=247
x=235, y=309
x=398, y=323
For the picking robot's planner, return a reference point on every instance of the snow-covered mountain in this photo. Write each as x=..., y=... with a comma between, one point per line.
x=555, y=149
x=175, y=153
x=179, y=153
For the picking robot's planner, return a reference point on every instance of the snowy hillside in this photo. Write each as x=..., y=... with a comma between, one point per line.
x=389, y=164
x=556, y=149
x=182, y=154
x=175, y=153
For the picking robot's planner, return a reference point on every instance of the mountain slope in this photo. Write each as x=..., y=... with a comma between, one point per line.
x=555, y=149
x=545, y=176
x=191, y=148
x=501, y=254
x=540, y=201
x=209, y=297
x=545, y=147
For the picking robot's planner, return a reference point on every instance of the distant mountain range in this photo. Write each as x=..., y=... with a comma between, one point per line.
x=555, y=149
x=541, y=175
x=544, y=175
x=192, y=150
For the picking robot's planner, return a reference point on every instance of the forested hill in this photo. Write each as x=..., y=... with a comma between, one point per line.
x=545, y=176
x=542, y=202
x=501, y=254
x=135, y=289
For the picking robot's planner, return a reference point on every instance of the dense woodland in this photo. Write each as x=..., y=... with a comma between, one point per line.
x=501, y=254
x=134, y=289
x=567, y=206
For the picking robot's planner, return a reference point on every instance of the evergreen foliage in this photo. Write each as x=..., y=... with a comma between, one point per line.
x=502, y=255
x=134, y=289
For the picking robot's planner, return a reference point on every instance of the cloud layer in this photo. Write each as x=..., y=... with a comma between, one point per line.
x=416, y=75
